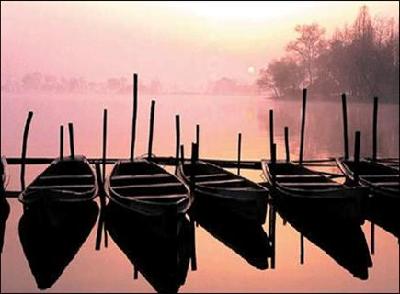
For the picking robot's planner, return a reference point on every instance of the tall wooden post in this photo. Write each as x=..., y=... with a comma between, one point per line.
x=193, y=169
x=273, y=153
x=182, y=155
x=357, y=147
x=61, y=142
x=134, y=114
x=71, y=140
x=104, y=144
x=345, y=129
x=151, y=130
x=271, y=131
x=375, y=129
x=357, y=153
x=178, y=138
x=287, y=144
x=303, y=120
x=239, y=152
x=24, y=149
x=198, y=138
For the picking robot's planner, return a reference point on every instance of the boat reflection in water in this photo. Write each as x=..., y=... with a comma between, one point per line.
x=340, y=237
x=4, y=206
x=385, y=213
x=162, y=259
x=247, y=239
x=52, y=234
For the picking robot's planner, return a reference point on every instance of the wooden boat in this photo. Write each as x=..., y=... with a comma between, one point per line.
x=65, y=180
x=231, y=192
x=162, y=260
x=246, y=239
x=341, y=238
x=382, y=180
x=301, y=184
x=147, y=189
x=51, y=240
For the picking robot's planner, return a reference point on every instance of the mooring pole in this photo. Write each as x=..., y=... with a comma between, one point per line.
x=178, y=139
x=193, y=161
x=345, y=129
x=287, y=144
x=151, y=130
x=61, y=142
x=182, y=155
x=271, y=232
x=193, y=257
x=303, y=120
x=101, y=220
x=198, y=139
x=273, y=153
x=271, y=131
x=375, y=129
x=104, y=144
x=71, y=140
x=301, y=249
x=357, y=151
x=372, y=238
x=24, y=148
x=134, y=114
x=239, y=152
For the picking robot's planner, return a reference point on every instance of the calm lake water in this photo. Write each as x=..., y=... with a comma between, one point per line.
x=221, y=266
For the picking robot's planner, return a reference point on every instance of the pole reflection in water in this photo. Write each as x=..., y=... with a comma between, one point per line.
x=340, y=237
x=51, y=235
x=245, y=238
x=385, y=212
x=162, y=259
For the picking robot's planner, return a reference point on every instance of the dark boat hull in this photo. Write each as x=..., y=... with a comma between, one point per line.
x=249, y=202
x=299, y=185
x=381, y=180
x=151, y=194
x=65, y=180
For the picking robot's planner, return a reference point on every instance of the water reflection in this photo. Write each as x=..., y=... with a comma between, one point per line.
x=340, y=237
x=51, y=236
x=4, y=206
x=162, y=260
x=385, y=212
x=245, y=238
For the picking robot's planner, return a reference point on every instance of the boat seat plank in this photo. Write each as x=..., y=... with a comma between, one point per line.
x=381, y=176
x=55, y=177
x=158, y=197
x=204, y=176
x=125, y=177
x=60, y=187
x=149, y=186
x=219, y=181
x=299, y=176
x=387, y=184
x=323, y=185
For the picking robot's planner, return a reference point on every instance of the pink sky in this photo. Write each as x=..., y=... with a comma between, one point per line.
x=182, y=44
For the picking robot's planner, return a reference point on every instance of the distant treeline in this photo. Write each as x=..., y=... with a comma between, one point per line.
x=38, y=82
x=361, y=59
